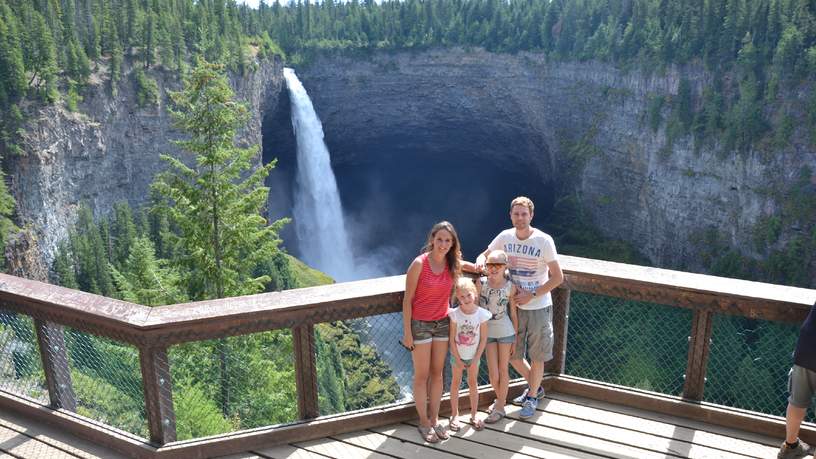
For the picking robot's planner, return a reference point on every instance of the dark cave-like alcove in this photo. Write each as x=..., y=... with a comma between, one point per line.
x=395, y=187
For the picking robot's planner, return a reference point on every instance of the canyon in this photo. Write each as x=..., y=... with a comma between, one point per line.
x=421, y=136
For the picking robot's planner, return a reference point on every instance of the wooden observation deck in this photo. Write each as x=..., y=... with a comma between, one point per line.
x=578, y=418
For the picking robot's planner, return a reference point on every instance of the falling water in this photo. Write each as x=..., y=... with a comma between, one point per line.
x=321, y=231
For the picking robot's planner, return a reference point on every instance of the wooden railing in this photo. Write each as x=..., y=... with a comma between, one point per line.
x=153, y=330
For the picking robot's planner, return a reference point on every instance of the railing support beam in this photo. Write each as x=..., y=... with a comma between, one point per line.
x=699, y=347
x=305, y=371
x=54, y=355
x=158, y=394
x=561, y=307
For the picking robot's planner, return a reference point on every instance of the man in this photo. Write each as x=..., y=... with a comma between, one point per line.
x=534, y=268
x=801, y=386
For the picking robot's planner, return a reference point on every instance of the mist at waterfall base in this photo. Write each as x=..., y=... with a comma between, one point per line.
x=390, y=202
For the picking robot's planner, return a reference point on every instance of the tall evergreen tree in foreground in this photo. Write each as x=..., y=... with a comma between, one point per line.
x=216, y=204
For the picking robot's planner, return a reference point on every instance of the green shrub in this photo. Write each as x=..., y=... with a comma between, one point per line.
x=72, y=99
x=766, y=231
x=147, y=90
x=105, y=402
x=196, y=414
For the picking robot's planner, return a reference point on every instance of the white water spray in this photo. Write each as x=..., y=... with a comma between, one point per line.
x=321, y=231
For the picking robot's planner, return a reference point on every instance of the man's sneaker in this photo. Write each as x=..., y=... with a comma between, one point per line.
x=801, y=450
x=520, y=399
x=529, y=408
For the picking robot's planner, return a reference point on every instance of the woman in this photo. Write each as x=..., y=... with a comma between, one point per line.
x=428, y=286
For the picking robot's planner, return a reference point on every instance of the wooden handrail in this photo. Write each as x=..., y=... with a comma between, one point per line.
x=178, y=323
x=137, y=324
x=153, y=330
x=688, y=290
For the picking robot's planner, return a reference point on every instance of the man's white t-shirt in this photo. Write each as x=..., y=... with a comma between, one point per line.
x=527, y=261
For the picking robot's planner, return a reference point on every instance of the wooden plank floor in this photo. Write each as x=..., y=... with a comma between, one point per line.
x=24, y=438
x=564, y=427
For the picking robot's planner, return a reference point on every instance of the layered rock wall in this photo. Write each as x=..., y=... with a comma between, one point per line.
x=109, y=150
x=525, y=111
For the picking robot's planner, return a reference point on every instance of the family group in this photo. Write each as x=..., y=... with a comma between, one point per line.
x=505, y=314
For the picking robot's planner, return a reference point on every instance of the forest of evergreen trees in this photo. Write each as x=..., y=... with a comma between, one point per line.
x=49, y=46
x=753, y=49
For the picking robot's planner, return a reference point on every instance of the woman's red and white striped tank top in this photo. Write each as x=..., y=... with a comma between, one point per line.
x=432, y=295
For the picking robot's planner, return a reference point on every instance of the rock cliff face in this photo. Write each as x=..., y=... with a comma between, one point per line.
x=109, y=150
x=560, y=126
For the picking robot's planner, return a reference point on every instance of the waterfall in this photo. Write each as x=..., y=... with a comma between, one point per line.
x=318, y=214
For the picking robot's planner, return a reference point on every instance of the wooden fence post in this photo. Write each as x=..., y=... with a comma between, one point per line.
x=699, y=347
x=54, y=355
x=561, y=307
x=158, y=394
x=305, y=371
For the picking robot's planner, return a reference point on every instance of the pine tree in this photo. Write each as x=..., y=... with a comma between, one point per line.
x=12, y=69
x=52, y=12
x=144, y=280
x=64, y=268
x=116, y=60
x=7, y=225
x=788, y=51
x=78, y=66
x=216, y=204
x=68, y=20
x=90, y=255
x=42, y=58
x=123, y=233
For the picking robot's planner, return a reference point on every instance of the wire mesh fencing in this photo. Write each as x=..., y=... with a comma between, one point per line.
x=749, y=363
x=634, y=344
x=230, y=384
x=361, y=363
x=21, y=370
x=106, y=379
